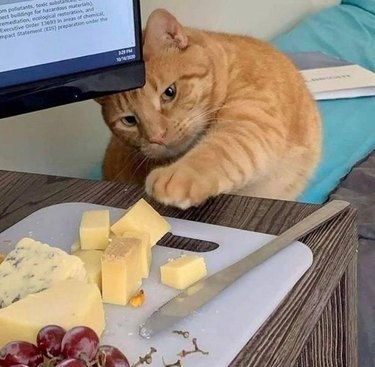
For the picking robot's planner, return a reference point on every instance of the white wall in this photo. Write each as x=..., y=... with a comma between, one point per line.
x=259, y=18
x=71, y=140
x=68, y=140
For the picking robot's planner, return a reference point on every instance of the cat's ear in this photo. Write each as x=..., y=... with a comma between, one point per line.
x=163, y=31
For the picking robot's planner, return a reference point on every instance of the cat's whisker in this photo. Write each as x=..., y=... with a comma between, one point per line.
x=201, y=114
x=143, y=161
x=212, y=111
x=133, y=156
x=119, y=174
x=195, y=119
x=148, y=163
x=208, y=112
x=226, y=120
x=198, y=121
x=216, y=109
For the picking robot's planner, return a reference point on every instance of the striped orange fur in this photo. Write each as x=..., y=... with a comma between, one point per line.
x=219, y=114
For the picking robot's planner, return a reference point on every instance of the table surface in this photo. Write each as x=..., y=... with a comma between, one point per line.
x=284, y=336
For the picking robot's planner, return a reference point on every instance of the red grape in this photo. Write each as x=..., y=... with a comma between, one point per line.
x=109, y=356
x=80, y=342
x=23, y=353
x=49, y=340
x=71, y=362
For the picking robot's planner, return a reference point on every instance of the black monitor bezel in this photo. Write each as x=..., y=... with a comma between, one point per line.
x=77, y=87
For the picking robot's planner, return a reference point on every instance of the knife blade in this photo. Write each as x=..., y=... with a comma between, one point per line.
x=205, y=290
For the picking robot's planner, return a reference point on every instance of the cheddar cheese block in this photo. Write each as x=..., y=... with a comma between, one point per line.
x=184, y=271
x=68, y=304
x=94, y=230
x=142, y=217
x=121, y=271
x=92, y=260
x=32, y=267
x=143, y=240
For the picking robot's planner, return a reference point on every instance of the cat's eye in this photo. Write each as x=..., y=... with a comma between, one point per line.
x=129, y=121
x=170, y=93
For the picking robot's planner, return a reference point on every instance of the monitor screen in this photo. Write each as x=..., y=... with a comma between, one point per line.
x=61, y=51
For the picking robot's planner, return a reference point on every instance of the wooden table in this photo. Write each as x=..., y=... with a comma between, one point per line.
x=315, y=326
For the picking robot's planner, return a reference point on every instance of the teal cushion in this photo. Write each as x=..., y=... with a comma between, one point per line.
x=344, y=31
x=368, y=5
x=348, y=32
x=96, y=173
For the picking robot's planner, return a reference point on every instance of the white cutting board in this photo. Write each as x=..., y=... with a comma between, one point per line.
x=223, y=326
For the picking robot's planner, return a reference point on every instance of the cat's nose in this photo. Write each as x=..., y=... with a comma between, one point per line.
x=159, y=138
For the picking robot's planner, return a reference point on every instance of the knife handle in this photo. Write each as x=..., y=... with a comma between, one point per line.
x=307, y=225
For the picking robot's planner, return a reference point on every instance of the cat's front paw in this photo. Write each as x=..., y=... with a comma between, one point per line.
x=179, y=185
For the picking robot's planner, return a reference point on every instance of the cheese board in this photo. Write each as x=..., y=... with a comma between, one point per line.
x=221, y=327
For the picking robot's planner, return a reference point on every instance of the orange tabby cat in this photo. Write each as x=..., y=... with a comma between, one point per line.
x=219, y=113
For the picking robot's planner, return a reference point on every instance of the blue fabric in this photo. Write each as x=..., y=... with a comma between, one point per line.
x=96, y=173
x=368, y=5
x=348, y=32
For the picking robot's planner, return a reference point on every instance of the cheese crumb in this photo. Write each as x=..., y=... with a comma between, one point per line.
x=138, y=300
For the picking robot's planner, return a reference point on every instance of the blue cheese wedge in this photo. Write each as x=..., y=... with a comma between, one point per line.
x=33, y=267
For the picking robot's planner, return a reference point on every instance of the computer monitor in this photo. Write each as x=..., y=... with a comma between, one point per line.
x=54, y=52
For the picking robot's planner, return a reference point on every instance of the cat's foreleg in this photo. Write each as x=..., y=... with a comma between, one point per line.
x=237, y=150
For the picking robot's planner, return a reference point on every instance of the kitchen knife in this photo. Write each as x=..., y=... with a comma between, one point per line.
x=203, y=291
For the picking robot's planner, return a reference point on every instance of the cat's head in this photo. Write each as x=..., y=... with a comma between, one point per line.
x=172, y=111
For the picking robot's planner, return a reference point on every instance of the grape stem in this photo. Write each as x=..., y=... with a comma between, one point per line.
x=83, y=357
x=146, y=359
x=185, y=353
x=185, y=334
x=52, y=361
x=101, y=359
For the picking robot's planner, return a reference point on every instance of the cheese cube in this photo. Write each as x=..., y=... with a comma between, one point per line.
x=141, y=217
x=94, y=230
x=121, y=271
x=68, y=304
x=143, y=239
x=93, y=265
x=32, y=267
x=183, y=272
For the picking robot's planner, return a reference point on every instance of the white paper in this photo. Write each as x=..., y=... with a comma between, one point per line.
x=349, y=81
